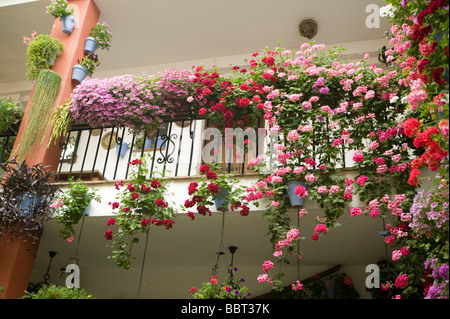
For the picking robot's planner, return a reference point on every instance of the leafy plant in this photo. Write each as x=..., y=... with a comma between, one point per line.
x=41, y=53
x=71, y=205
x=22, y=183
x=10, y=114
x=230, y=289
x=59, y=8
x=60, y=121
x=58, y=292
x=89, y=62
x=140, y=203
x=212, y=185
x=47, y=86
x=102, y=35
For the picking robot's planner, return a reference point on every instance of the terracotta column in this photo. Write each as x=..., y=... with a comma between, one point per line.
x=16, y=261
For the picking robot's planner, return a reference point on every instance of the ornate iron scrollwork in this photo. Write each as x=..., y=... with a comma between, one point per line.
x=167, y=141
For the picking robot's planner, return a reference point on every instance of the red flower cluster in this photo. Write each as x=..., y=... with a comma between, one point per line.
x=157, y=222
x=192, y=188
x=434, y=153
x=213, y=188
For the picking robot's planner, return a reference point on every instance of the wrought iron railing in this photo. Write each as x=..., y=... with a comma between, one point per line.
x=103, y=153
x=177, y=149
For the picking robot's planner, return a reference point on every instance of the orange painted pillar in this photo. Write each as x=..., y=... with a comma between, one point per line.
x=16, y=259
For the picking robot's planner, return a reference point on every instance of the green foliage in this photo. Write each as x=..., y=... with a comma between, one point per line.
x=60, y=121
x=230, y=289
x=58, y=292
x=70, y=206
x=21, y=181
x=90, y=62
x=102, y=35
x=41, y=54
x=59, y=8
x=139, y=205
x=47, y=86
x=10, y=114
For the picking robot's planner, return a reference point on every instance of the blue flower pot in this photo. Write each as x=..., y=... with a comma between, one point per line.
x=148, y=143
x=296, y=202
x=78, y=73
x=27, y=202
x=68, y=23
x=122, y=151
x=220, y=202
x=90, y=45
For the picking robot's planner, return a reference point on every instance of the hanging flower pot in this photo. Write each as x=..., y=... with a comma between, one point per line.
x=27, y=202
x=122, y=149
x=296, y=201
x=90, y=45
x=220, y=201
x=68, y=23
x=79, y=73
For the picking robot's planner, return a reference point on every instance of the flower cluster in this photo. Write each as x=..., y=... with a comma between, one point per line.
x=229, y=289
x=59, y=8
x=140, y=204
x=102, y=35
x=212, y=185
x=287, y=243
x=137, y=102
x=227, y=103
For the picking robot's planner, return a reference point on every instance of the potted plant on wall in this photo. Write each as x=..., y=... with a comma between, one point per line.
x=72, y=205
x=25, y=194
x=60, y=9
x=85, y=67
x=100, y=37
x=41, y=53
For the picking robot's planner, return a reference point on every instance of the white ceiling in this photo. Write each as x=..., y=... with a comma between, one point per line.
x=163, y=32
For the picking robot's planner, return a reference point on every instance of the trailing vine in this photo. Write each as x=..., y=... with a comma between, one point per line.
x=47, y=86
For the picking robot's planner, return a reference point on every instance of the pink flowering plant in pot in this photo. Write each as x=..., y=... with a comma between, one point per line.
x=211, y=186
x=140, y=204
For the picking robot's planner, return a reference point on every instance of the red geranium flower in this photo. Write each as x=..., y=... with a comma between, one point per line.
x=108, y=234
x=213, y=188
x=211, y=175
x=204, y=168
x=155, y=183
